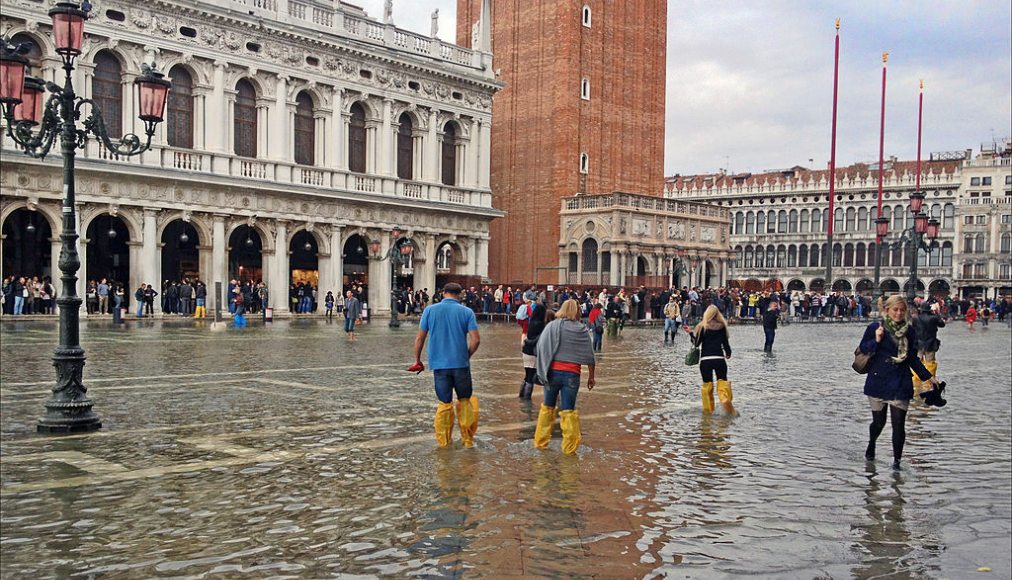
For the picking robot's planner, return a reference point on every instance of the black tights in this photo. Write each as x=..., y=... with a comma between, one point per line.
x=529, y=373
x=878, y=420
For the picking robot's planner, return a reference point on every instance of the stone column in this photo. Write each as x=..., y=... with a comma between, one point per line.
x=485, y=145
x=336, y=133
x=279, y=146
x=149, y=251
x=336, y=260
x=622, y=267
x=431, y=166
x=427, y=278
x=481, y=257
x=474, y=151
x=281, y=279
x=219, y=263
x=380, y=281
x=136, y=275
x=371, y=148
x=386, y=132
x=200, y=121
x=218, y=113
x=613, y=268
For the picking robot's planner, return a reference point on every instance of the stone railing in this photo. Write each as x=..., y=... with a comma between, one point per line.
x=989, y=200
x=643, y=202
x=821, y=187
x=989, y=162
x=328, y=16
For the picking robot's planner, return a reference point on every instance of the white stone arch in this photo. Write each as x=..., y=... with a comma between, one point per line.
x=204, y=231
x=267, y=241
x=462, y=129
x=418, y=122
x=196, y=73
x=130, y=216
x=460, y=249
x=128, y=62
x=50, y=213
x=258, y=86
x=320, y=101
x=45, y=41
x=322, y=241
x=370, y=104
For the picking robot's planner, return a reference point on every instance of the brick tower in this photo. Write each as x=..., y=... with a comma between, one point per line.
x=582, y=112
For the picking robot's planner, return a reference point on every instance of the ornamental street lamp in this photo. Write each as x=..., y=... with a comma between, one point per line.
x=24, y=108
x=399, y=255
x=912, y=238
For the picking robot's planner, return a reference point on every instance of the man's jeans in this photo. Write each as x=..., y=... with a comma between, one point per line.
x=670, y=325
x=449, y=381
x=770, y=334
x=19, y=304
x=563, y=383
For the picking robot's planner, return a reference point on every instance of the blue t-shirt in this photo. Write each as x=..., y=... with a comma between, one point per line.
x=448, y=323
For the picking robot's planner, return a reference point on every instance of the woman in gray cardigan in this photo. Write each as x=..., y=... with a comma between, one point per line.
x=564, y=346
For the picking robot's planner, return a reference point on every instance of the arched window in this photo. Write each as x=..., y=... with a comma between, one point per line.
x=245, y=120
x=584, y=163
x=968, y=244
x=838, y=220
x=899, y=256
x=781, y=256
x=750, y=223
x=739, y=255
x=886, y=257
x=871, y=254
x=898, y=224
x=860, y=253
x=887, y=213
x=1006, y=243
x=760, y=257
x=946, y=254
x=585, y=89
x=771, y=222
x=590, y=255
x=739, y=223
x=848, y=255
x=405, y=151
x=805, y=221
x=179, y=124
x=107, y=92
x=34, y=54
x=936, y=211
x=444, y=257
x=748, y=257
x=948, y=216
x=814, y=253
x=760, y=222
x=793, y=221
x=978, y=245
x=803, y=255
x=782, y=222
x=862, y=219
x=305, y=130
x=935, y=256
x=837, y=255
x=771, y=256
x=585, y=17
x=356, y=139
x=450, y=154
x=816, y=220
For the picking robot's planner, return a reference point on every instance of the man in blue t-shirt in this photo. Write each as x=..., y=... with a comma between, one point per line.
x=455, y=338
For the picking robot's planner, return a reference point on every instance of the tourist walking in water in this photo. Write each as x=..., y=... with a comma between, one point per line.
x=711, y=336
x=536, y=321
x=927, y=324
x=971, y=316
x=672, y=316
x=563, y=348
x=455, y=338
x=770, y=319
x=892, y=344
x=352, y=314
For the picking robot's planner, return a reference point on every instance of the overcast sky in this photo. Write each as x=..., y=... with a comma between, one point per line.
x=750, y=84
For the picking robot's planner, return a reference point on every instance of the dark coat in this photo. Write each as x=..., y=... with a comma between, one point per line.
x=887, y=380
x=927, y=326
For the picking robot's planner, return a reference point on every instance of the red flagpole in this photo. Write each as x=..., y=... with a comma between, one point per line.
x=881, y=136
x=832, y=162
x=920, y=111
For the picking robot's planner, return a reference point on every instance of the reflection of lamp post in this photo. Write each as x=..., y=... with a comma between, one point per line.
x=69, y=410
x=912, y=237
x=399, y=254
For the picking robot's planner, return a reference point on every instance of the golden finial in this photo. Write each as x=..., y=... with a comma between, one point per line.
x=922, y=84
x=838, y=24
x=885, y=57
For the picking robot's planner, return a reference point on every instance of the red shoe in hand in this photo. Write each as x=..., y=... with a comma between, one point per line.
x=416, y=368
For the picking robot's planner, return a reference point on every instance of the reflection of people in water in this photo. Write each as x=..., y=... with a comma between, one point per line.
x=884, y=534
x=713, y=446
x=444, y=520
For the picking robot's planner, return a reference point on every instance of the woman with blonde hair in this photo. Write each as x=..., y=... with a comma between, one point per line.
x=892, y=344
x=563, y=348
x=711, y=336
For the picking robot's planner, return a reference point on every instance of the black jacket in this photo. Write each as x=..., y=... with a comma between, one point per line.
x=927, y=326
x=712, y=343
x=770, y=318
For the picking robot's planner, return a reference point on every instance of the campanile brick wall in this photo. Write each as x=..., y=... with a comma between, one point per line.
x=540, y=125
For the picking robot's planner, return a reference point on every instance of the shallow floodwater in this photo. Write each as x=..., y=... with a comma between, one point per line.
x=285, y=451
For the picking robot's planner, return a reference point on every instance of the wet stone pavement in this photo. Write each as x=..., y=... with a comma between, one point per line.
x=285, y=451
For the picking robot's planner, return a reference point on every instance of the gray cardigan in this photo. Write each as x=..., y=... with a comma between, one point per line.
x=566, y=341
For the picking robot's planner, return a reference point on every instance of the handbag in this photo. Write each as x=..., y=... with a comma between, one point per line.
x=692, y=357
x=862, y=362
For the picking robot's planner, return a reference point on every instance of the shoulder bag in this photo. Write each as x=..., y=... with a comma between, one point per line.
x=862, y=362
x=692, y=357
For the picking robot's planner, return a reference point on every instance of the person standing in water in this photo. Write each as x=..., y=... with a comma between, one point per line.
x=711, y=336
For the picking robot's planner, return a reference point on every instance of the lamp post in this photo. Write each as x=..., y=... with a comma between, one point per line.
x=34, y=123
x=912, y=238
x=399, y=254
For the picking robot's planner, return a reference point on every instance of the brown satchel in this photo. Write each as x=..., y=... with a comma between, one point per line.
x=862, y=361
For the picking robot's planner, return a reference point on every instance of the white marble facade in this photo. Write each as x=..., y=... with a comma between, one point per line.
x=329, y=84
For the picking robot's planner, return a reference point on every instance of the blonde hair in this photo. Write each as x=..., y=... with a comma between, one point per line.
x=893, y=301
x=711, y=313
x=569, y=310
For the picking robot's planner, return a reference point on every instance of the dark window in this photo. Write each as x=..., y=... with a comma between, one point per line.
x=356, y=139
x=803, y=256
x=245, y=120
x=305, y=132
x=404, y=150
x=590, y=255
x=449, y=154
x=107, y=92
x=115, y=15
x=312, y=61
x=413, y=85
x=252, y=47
x=187, y=32
x=179, y=124
x=364, y=73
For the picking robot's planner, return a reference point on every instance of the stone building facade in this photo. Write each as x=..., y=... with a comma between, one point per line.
x=622, y=239
x=582, y=111
x=983, y=262
x=297, y=133
x=778, y=224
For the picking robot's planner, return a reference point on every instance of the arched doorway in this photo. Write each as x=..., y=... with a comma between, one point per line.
x=889, y=286
x=27, y=247
x=795, y=285
x=938, y=288
x=679, y=273
x=588, y=275
x=355, y=256
x=446, y=258
x=865, y=286
x=919, y=288
x=180, y=256
x=406, y=271
x=245, y=255
x=842, y=285
x=708, y=274
x=817, y=285
x=304, y=270
x=775, y=285
x=108, y=253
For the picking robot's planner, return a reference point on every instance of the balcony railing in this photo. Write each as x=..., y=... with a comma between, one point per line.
x=644, y=202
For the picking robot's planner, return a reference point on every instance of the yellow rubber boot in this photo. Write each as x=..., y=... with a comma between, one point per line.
x=917, y=379
x=725, y=396
x=707, y=397
x=570, y=423
x=932, y=366
x=444, y=424
x=467, y=418
x=543, y=433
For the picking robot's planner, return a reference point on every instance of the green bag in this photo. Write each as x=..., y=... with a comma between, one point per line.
x=692, y=357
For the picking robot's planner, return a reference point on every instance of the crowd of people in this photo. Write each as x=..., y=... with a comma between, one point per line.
x=24, y=295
